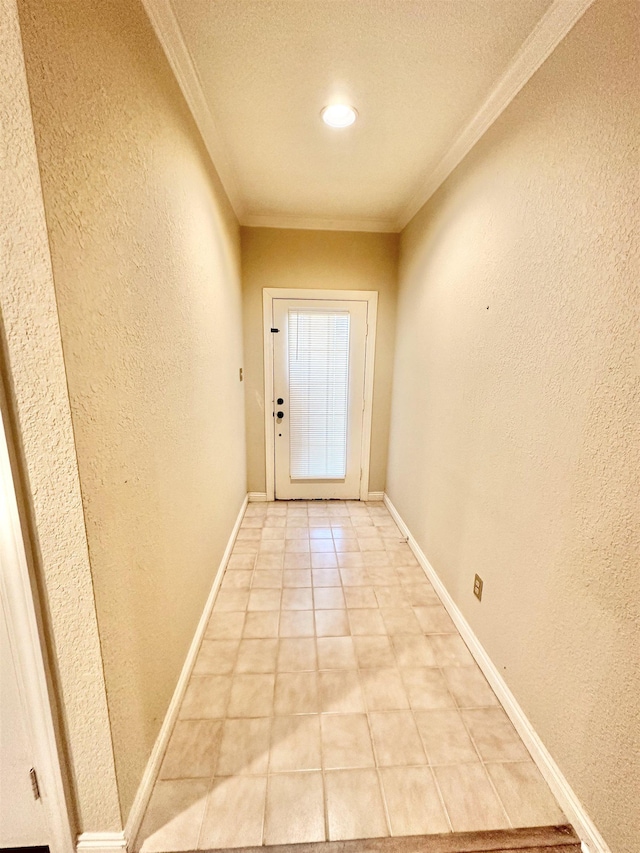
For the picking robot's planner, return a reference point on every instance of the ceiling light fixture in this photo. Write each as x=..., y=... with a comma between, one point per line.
x=339, y=115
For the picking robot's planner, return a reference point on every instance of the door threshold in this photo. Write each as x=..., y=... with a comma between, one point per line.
x=539, y=839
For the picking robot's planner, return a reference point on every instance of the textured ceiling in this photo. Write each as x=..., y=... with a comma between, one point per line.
x=416, y=70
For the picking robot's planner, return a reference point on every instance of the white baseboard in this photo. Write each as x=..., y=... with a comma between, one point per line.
x=101, y=842
x=554, y=777
x=157, y=753
x=257, y=497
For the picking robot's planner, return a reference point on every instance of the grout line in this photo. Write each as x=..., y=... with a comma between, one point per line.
x=204, y=813
x=331, y=521
x=441, y=797
x=411, y=765
x=268, y=770
x=385, y=804
x=430, y=765
x=486, y=772
x=325, y=801
x=377, y=766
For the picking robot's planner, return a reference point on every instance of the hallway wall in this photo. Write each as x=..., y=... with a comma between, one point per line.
x=514, y=446
x=37, y=420
x=145, y=253
x=324, y=260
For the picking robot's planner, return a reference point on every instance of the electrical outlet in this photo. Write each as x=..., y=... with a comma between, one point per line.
x=477, y=587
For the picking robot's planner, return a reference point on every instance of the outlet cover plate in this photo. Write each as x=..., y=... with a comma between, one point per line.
x=477, y=587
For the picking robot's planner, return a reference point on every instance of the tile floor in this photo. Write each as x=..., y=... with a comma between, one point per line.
x=333, y=698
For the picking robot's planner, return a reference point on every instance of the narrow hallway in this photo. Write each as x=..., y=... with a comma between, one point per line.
x=333, y=698
x=240, y=237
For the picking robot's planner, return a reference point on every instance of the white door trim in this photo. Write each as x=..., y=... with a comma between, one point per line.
x=368, y=296
x=22, y=623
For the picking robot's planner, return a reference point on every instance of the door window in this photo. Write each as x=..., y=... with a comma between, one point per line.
x=318, y=356
x=319, y=359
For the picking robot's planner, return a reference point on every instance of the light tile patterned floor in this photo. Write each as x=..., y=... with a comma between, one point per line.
x=333, y=698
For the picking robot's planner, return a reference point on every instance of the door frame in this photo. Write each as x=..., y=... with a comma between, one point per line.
x=368, y=296
x=24, y=636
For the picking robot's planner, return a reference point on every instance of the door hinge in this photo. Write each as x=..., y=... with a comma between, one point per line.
x=35, y=787
x=275, y=330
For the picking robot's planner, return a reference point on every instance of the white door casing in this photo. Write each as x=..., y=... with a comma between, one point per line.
x=354, y=313
x=28, y=737
x=22, y=819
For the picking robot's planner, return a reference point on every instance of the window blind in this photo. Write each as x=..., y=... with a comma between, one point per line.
x=318, y=393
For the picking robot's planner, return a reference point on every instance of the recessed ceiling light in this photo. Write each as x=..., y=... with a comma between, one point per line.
x=339, y=115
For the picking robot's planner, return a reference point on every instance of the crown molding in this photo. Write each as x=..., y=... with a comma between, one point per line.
x=550, y=30
x=167, y=29
x=318, y=223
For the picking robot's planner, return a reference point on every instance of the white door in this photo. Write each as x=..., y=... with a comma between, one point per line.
x=29, y=816
x=318, y=390
x=22, y=819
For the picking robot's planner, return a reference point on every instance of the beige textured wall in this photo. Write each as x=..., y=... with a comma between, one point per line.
x=327, y=260
x=34, y=378
x=145, y=254
x=515, y=450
